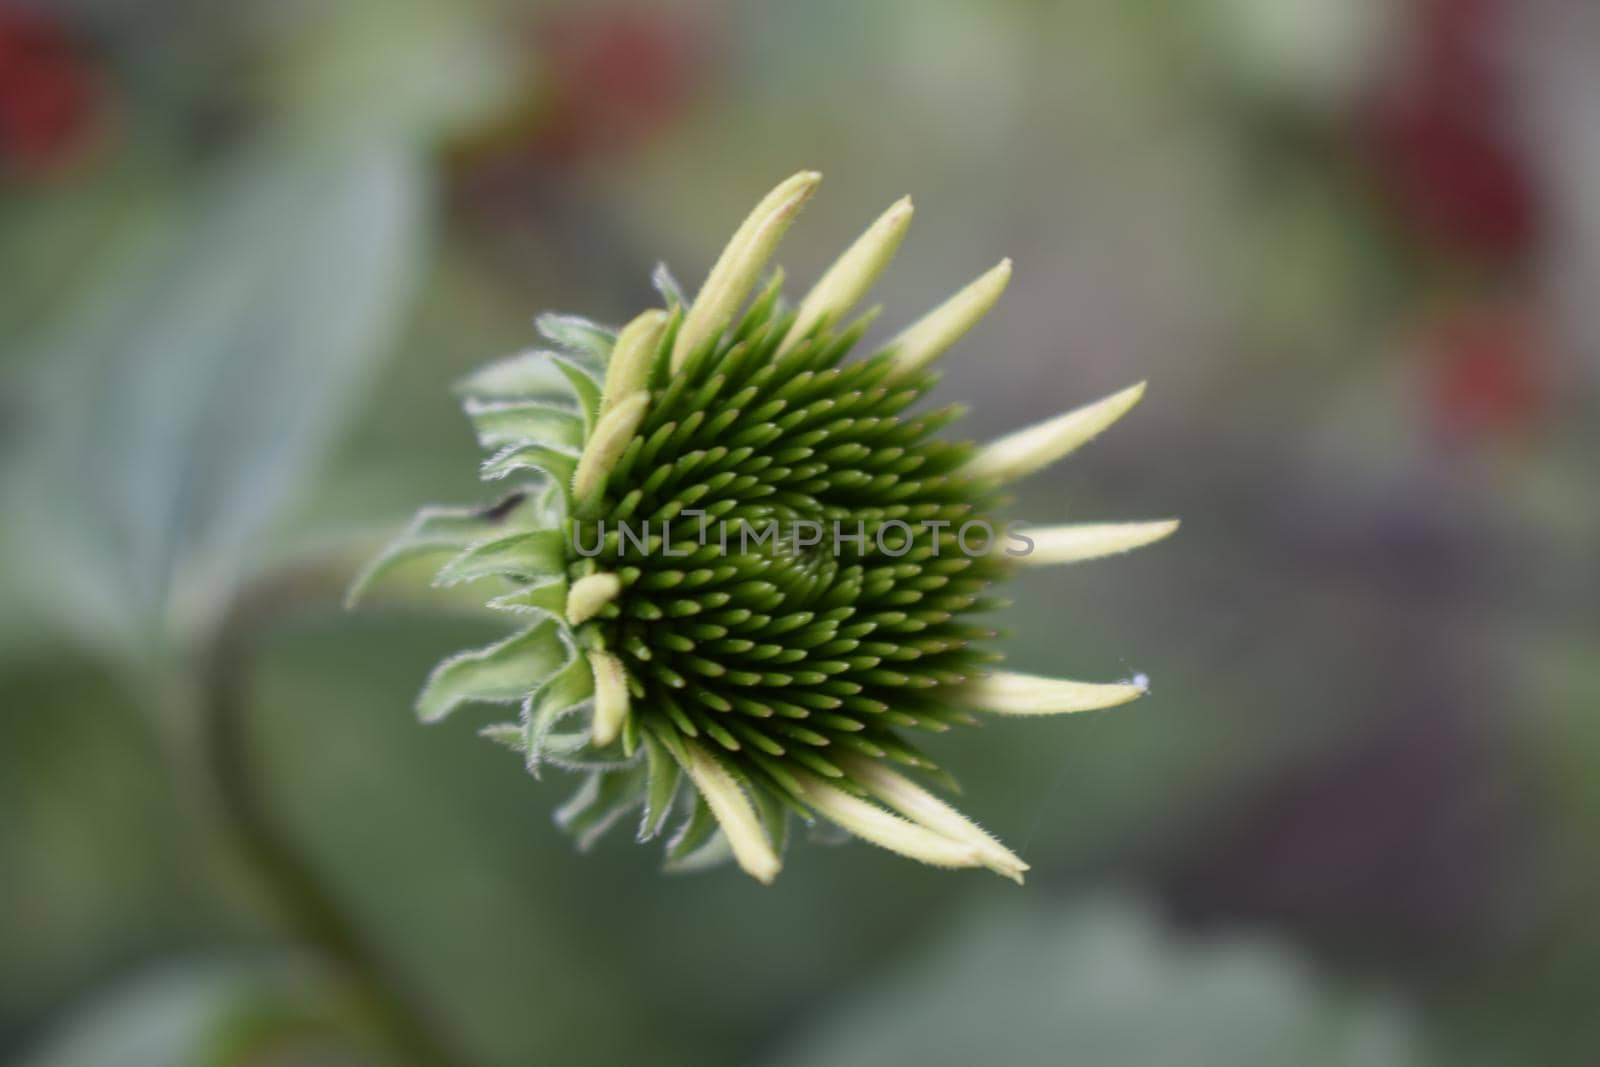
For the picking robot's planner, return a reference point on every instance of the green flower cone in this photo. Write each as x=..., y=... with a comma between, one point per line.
x=748, y=569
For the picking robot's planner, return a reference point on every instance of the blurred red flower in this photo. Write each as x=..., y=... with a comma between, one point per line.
x=50, y=92
x=615, y=75
x=1486, y=371
x=1440, y=139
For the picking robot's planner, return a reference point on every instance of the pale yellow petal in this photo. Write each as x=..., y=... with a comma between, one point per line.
x=611, y=703
x=1008, y=693
x=632, y=356
x=1019, y=454
x=927, y=339
x=589, y=594
x=737, y=269
x=927, y=810
x=871, y=823
x=611, y=435
x=847, y=281
x=734, y=813
x=1081, y=541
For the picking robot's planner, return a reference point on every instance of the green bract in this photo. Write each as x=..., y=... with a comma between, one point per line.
x=748, y=566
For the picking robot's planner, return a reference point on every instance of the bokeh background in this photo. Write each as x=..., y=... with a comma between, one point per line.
x=245, y=249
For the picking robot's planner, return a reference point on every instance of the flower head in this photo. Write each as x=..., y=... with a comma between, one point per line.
x=749, y=568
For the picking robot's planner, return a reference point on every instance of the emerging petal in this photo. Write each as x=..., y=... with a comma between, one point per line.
x=930, y=336
x=1019, y=454
x=739, y=821
x=927, y=810
x=610, y=697
x=873, y=824
x=1072, y=544
x=1008, y=693
x=735, y=272
x=634, y=355
x=611, y=435
x=848, y=280
x=589, y=594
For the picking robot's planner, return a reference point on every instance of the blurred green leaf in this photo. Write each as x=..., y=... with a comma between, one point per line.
x=209, y=1013
x=1101, y=984
x=93, y=866
x=46, y=238
x=193, y=384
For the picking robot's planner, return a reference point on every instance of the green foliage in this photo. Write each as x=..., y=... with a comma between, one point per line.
x=188, y=340
x=210, y=1013
x=188, y=393
x=1102, y=985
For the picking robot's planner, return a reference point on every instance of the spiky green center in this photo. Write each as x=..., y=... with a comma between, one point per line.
x=774, y=654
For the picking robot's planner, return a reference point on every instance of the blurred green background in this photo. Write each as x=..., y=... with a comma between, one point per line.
x=1354, y=245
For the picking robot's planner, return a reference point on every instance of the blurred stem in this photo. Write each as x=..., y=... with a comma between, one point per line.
x=272, y=855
